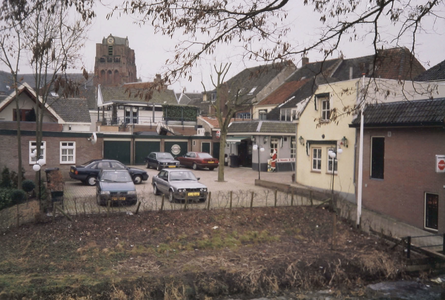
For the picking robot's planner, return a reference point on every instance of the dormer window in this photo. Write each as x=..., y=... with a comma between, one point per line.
x=323, y=102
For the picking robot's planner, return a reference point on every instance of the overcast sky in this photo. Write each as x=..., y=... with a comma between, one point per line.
x=152, y=50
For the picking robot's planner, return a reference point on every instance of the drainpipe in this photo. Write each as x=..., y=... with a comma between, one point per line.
x=360, y=162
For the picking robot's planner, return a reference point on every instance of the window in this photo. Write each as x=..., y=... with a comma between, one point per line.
x=262, y=114
x=332, y=162
x=32, y=147
x=325, y=109
x=67, y=152
x=131, y=115
x=293, y=147
x=377, y=157
x=110, y=50
x=25, y=115
x=431, y=211
x=316, y=159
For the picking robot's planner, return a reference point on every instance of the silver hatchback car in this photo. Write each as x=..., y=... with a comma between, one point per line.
x=179, y=184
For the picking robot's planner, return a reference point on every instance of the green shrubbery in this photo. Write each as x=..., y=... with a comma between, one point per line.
x=10, y=194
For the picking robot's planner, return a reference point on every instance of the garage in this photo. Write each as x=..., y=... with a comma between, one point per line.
x=143, y=148
x=118, y=150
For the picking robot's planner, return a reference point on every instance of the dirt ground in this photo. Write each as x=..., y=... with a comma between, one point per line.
x=193, y=254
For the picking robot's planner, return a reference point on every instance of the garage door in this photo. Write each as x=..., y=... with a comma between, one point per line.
x=205, y=147
x=143, y=148
x=176, y=148
x=215, y=150
x=119, y=150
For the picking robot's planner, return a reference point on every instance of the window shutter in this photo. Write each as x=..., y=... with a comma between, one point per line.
x=315, y=103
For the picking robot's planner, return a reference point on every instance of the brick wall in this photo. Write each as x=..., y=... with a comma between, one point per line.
x=409, y=172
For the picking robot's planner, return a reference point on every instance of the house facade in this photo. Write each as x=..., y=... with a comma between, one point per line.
x=404, y=161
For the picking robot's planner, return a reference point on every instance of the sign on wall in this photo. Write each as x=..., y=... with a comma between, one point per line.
x=440, y=163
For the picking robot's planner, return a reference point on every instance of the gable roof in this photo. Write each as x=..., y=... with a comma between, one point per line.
x=283, y=93
x=262, y=126
x=71, y=109
x=435, y=73
x=404, y=113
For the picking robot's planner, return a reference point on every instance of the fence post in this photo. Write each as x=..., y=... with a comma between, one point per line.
x=18, y=216
x=292, y=198
x=208, y=200
x=251, y=201
x=230, y=199
x=310, y=198
x=185, y=202
x=137, y=209
x=275, y=204
x=162, y=202
x=408, y=247
x=108, y=207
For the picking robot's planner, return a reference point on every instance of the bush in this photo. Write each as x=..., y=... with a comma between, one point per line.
x=28, y=185
x=18, y=196
x=6, y=178
x=5, y=198
x=15, y=178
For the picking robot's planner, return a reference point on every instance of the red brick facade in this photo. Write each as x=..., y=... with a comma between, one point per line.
x=409, y=173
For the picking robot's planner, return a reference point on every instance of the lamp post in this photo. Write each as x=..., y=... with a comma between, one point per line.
x=258, y=149
x=333, y=154
x=37, y=168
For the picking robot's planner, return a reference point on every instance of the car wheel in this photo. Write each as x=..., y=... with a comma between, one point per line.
x=137, y=179
x=211, y=169
x=171, y=198
x=159, y=168
x=155, y=190
x=91, y=180
x=194, y=166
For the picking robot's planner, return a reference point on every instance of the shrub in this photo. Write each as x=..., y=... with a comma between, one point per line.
x=5, y=198
x=6, y=178
x=15, y=177
x=28, y=185
x=18, y=196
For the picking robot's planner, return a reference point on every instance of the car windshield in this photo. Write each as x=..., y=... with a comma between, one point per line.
x=165, y=156
x=116, y=177
x=205, y=155
x=182, y=176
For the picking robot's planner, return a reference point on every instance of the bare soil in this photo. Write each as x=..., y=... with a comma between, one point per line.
x=193, y=254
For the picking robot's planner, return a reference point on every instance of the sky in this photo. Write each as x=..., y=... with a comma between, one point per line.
x=152, y=50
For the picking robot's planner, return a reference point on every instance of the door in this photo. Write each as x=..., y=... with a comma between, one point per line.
x=431, y=211
x=215, y=153
x=118, y=150
x=143, y=148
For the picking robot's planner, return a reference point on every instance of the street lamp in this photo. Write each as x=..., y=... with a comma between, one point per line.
x=333, y=154
x=37, y=168
x=257, y=148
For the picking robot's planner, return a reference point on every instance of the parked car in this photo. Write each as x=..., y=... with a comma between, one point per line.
x=88, y=172
x=179, y=184
x=160, y=160
x=198, y=160
x=115, y=185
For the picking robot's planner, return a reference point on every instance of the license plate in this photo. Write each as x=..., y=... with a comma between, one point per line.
x=118, y=198
x=211, y=162
x=193, y=194
x=172, y=166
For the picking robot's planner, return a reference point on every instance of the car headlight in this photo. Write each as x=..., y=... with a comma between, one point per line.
x=131, y=193
x=104, y=192
x=181, y=190
x=203, y=190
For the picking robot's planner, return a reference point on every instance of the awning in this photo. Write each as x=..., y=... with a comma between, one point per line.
x=236, y=139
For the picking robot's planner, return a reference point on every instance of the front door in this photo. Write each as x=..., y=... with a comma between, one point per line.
x=431, y=211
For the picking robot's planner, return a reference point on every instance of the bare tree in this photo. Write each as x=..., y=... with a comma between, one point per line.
x=229, y=100
x=11, y=48
x=207, y=24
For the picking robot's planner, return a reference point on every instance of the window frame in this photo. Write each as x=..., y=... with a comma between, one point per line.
x=325, y=109
x=67, y=147
x=375, y=157
x=317, y=159
x=32, y=146
x=273, y=144
x=293, y=147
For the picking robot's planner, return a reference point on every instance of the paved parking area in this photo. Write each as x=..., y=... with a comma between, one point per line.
x=235, y=179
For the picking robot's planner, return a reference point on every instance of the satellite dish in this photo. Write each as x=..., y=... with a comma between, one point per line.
x=93, y=138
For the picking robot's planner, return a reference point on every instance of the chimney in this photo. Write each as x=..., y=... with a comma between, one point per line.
x=304, y=61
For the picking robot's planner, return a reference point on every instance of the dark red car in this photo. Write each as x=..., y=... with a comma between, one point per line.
x=198, y=160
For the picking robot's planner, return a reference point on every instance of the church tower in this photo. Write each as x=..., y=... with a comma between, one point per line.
x=115, y=62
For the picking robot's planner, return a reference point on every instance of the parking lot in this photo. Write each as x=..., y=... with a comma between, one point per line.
x=238, y=189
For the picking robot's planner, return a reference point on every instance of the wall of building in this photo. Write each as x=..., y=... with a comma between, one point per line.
x=409, y=173
x=24, y=103
x=321, y=134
